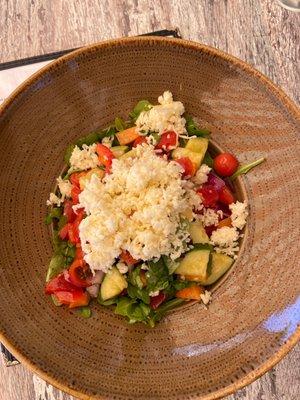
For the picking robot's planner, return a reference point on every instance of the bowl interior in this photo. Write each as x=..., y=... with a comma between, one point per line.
x=193, y=353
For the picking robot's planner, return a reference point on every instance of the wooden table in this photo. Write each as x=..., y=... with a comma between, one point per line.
x=259, y=32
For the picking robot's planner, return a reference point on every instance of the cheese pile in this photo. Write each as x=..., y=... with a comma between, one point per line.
x=139, y=207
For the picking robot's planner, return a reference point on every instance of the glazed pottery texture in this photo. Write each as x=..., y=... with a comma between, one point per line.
x=194, y=352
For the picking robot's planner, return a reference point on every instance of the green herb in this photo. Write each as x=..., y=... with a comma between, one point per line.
x=54, y=213
x=89, y=139
x=179, y=285
x=120, y=124
x=192, y=128
x=85, y=312
x=158, y=277
x=56, y=266
x=55, y=301
x=208, y=160
x=108, y=302
x=68, y=153
x=246, y=168
x=133, y=310
x=142, y=105
x=172, y=265
x=138, y=294
x=164, y=308
x=62, y=222
x=134, y=277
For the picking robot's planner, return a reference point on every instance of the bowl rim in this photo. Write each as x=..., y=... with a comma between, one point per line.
x=239, y=64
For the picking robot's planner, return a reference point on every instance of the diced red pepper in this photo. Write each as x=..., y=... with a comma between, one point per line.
x=139, y=140
x=78, y=298
x=168, y=141
x=64, y=232
x=188, y=166
x=105, y=156
x=59, y=284
x=156, y=301
x=68, y=211
x=127, y=258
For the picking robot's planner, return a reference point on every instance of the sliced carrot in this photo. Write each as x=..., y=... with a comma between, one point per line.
x=190, y=293
x=127, y=136
x=224, y=222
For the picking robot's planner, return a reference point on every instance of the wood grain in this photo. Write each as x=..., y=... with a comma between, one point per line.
x=259, y=32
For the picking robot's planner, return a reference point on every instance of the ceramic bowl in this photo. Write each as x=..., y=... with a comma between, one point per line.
x=194, y=353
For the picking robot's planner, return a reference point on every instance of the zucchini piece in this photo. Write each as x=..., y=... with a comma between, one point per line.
x=198, y=145
x=194, y=263
x=113, y=284
x=180, y=152
x=220, y=264
x=197, y=232
x=118, y=151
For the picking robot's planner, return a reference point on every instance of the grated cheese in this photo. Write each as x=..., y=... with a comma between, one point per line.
x=239, y=214
x=225, y=240
x=65, y=188
x=210, y=216
x=138, y=208
x=122, y=267
x=206, y=297
x=84, y=158
x=201, y=175
x=167, y=116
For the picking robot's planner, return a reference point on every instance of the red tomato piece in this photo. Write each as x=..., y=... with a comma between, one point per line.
x=188, y=166
x=73, y=228
x=168, y=141
x=78, y=252
x=156, y=301
x=105, y=156
x=209, y=195
x=80, y=274
x=127, y=258
x=64, y=232
x=78, y=298
x=75, y=191
x=59, y=284
x=139, y=140
x=225, y=196
x=68, y=211
x=74, y=178
x=225, y=164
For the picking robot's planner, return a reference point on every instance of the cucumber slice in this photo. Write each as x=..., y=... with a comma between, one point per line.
x=113, y=284
x=198, y=145
x=197, y=232
x=220, y=264
x=119, y=151
x=130, y=153
x=180, y=152
x=194, y=263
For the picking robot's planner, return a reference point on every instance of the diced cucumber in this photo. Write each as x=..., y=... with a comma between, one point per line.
x=194, y=263
x=130, y=153
x=180, y=152
x=118, y=151
x=198, y=145
x=198, y=233
x=113, y=284
x=220, y=264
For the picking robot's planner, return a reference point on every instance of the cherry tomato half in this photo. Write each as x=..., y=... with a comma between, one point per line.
x=139, y=140
x=105, y=156
x=188, y=166
x=168, y=141
x=80, y=274
x=75, y=192
x=225, y=164
x=225, y=196
x=209, y=195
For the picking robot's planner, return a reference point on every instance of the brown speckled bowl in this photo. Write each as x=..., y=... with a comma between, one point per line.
x=194, y=353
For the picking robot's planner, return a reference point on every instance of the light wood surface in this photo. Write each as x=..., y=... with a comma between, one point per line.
x=259, y=32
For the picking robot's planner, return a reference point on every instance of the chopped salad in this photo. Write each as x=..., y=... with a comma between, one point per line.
x=144, y=219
